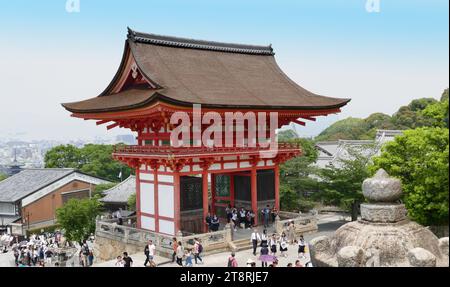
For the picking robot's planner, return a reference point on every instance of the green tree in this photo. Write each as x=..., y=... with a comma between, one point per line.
x=341, y=183
x=63, y=156
x=295, y=180
x=444, y=96
x=437, y=114
x=420, y=159
x=91, y=159
x=77, y=218
x=287, y=135
x=132, y=202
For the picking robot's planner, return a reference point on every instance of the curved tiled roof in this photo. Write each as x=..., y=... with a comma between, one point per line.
x=213, y=74
x=121, y=192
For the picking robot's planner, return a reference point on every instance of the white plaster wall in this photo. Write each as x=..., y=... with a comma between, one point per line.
x=147, y=194
x=146, y=176
x=166, y=200
x=165, y=178
x=230, y=165
x=147, y=223
x=245, y=164
x=167, y=227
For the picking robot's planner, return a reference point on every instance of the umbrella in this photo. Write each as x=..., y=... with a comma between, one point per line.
x=267, y=258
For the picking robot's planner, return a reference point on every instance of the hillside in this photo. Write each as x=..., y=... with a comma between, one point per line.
x=407, y=117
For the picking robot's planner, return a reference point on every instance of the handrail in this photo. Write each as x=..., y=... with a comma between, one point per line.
x=168, y=150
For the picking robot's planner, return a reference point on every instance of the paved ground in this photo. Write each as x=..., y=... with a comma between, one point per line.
x=327, y=225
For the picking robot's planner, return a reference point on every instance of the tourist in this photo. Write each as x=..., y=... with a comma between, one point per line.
x=289, y=265
x=252, y=216
x=127, y=260
x=215, y=223
x=119, y=262
x=242, y=218
x=180, y=254
x=283, y=244
x=232, y=262
x=266, y=214
x=198, y=249
x=273, y=244
x=80, y=259
x=229, y=212
x=174, y=248
x=301, y=247
x=234, y=219
x=274, y=213
x=264, y=237
x=298, y=263
x=149, y=252
x=86, y=251
x=208, y=221
x=255, y=238
x=188, y=260
x=119, y=217
x=91, y=258
x=264, y=252
x=291, y=232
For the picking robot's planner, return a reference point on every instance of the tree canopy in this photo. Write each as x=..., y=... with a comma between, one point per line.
x=91, y=159
x=295, y=180
x=341, y=184
x=420, y=159
x=77, y=218
x=419, y=113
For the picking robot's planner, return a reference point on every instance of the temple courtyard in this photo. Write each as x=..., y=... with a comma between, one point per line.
x=327, y=223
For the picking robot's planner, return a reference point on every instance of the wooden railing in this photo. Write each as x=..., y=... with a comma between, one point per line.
x=182, y=151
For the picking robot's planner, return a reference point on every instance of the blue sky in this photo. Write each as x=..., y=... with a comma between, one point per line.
x=331, y=47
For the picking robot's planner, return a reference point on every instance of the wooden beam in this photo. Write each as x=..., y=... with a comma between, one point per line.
x=299, y=122
x=102, y=122
x=110, y=127
x=309, y=118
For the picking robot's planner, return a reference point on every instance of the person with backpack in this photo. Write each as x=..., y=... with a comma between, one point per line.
x=198, y=249
x=232, y=262
x=86, y=251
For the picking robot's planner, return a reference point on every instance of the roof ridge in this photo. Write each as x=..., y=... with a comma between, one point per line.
x=178, y=42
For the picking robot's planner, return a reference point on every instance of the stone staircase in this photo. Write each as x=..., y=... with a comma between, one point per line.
x=241, y=244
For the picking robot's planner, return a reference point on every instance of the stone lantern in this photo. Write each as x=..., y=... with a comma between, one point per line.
x=384, y=236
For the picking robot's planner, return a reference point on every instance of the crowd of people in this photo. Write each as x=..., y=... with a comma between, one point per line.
x=241, y=218
x=36, y=251
x=273, y=246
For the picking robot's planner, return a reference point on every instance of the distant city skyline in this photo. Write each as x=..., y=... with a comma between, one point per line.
x=381, y=59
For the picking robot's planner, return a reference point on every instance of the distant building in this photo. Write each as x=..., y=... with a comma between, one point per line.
x=117, y=197
x=126, y=139
x=331, y=152
x=32, y=196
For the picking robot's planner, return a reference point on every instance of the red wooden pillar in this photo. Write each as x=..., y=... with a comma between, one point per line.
x=138, y=198
x=205, y=199
x=277, y=186
x=254, y=193
x=155, y=198
x=177, y=200
x=213, y=194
